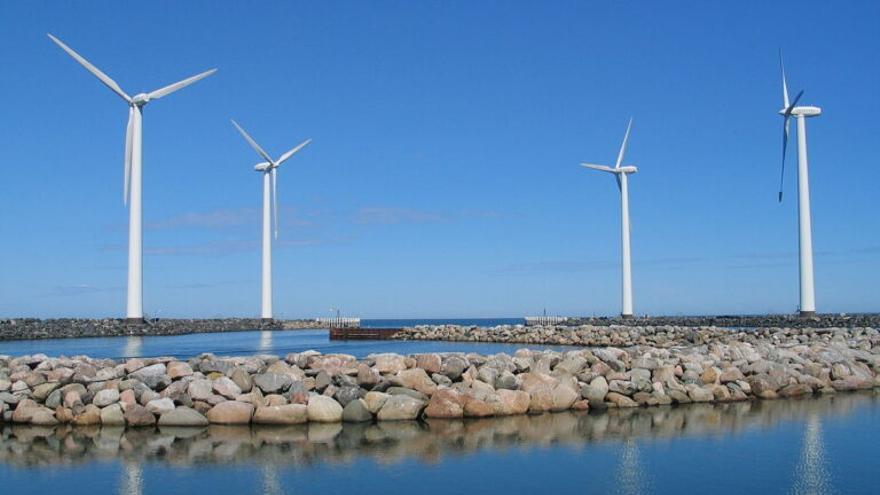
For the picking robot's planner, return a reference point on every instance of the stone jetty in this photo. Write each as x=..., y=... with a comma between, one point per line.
x=62, y=328
x=331, y=388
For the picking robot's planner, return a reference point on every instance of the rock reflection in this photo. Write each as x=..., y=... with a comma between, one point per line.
x=429, y=442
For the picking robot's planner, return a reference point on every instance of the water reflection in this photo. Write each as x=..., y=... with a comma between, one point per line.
x=132, y=482
x=270, y=449
x=631, y=476
x=265, y=341
x=133, y=346
x=811, y=474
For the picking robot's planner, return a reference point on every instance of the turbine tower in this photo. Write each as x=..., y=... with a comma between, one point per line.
x=132, y=187
x=270, y=209
x=805, y=230
x=620, y=173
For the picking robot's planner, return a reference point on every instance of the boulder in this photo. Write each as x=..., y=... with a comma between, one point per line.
x=225, y=387
x=400, y=407
x=510, y=402
x=231, y=413
x=272, y=383
x=356, y=412
x=106, y=397
x=323, y=409
x=152, y=376
x=160, y=406
x=183, y=416
x=620, y=400
x=416, y=379
x=89, y=416
x=375, y=400
x=112, y=415
x=138, y=415
x=446, y=404
x=178, y=369
x=288, y=414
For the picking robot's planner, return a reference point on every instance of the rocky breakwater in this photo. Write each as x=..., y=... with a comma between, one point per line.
x=58, y=328
x=311, y=387
x=665, y=336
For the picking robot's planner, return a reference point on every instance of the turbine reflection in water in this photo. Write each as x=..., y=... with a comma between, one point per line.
x=265, y=340
x=133, y=347
x=631, y=479
x=132, y=480
x=811, y=474
x=271, y=485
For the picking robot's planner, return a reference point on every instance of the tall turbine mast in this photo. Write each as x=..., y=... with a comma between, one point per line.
x=132, y=185
x=807, y=305
x=620, y=174
x=270, y=211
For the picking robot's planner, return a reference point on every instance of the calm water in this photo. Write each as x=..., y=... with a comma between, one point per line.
x=239, y=343
x=815, y=446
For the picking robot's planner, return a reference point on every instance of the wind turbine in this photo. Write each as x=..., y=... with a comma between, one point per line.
x=620, y=173
x=805, y=230
x=270, y=209
x=134, y=307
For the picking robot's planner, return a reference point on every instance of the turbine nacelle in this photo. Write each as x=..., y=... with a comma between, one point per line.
x=140, y=99
x=263, y=167
x=628, y=169
x=806, y=111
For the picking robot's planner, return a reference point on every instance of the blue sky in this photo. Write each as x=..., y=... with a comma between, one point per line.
x=443, y=180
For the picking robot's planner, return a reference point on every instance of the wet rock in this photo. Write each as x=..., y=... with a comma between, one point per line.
x=400, y=407
x=271, y=383
x=288, y=414
x=138, y=415
x=106, y=397
x=225, y=387
x=160, y=406
x=183, y=416
x=112, y=415
x=356, y=411
x=324, y=409
x=447, y=404
x=231, y=413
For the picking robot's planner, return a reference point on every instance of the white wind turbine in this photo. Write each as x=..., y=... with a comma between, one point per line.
x=805, y=230
x=270, y=206
x=620, y=173
x=132, y=187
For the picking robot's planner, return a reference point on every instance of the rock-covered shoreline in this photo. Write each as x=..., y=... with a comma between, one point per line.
x=664, y=336
x=317, y=388
x=822, y=320
x=62, y=328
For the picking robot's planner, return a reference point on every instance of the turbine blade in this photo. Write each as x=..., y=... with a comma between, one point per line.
x=275, y=199
x=784, y=148
x=623, y=145
x=791, y=107
x=128, y=130
x=179, y=85
x=601, y=168
x=785, y=103
x=110, y=83
x=292, y=152
x=253, y=143
x=617, y=178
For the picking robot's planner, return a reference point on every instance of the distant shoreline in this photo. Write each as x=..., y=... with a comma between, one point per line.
x=69, y=328
x=64, y=328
